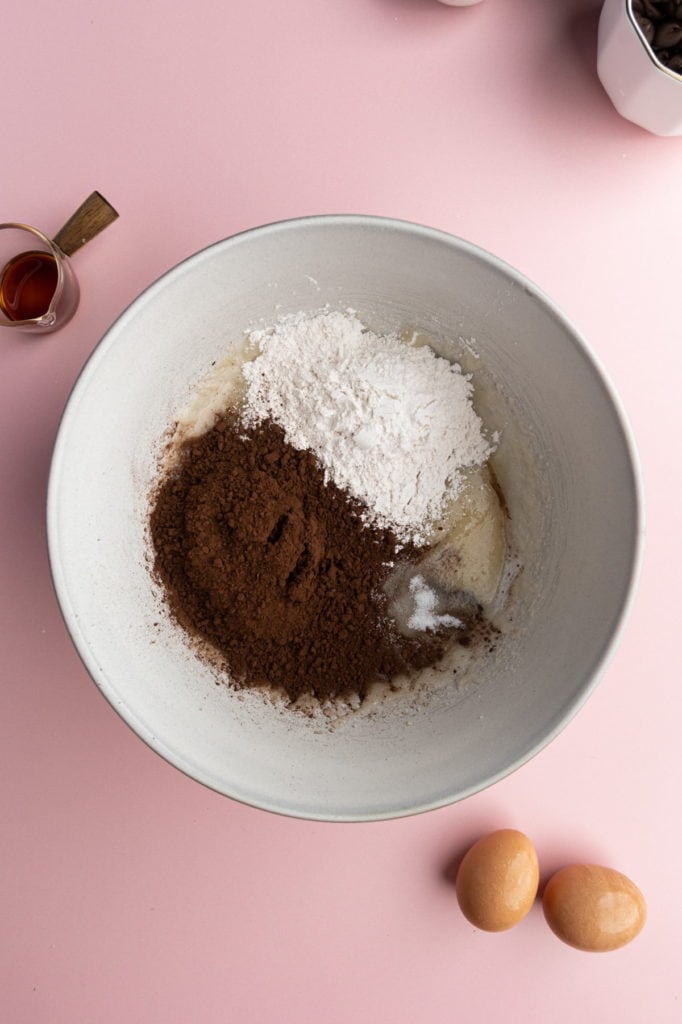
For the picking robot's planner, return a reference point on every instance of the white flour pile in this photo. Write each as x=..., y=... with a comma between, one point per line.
x=390, y=424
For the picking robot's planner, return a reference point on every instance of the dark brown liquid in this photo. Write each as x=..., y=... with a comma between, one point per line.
x=27, y=285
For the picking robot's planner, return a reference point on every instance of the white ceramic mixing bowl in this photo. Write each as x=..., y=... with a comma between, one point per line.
x=567, y=467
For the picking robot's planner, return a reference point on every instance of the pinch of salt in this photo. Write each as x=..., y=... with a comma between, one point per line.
x=424, y=615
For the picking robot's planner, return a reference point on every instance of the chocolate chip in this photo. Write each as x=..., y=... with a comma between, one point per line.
x=648, y=28
x=667, y=35
x=652, y=10
x=675, y=63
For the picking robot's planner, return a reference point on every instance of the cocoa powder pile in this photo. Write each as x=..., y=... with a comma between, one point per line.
x=275, y=568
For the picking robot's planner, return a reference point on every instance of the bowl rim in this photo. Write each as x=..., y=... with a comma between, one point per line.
x=89, y=369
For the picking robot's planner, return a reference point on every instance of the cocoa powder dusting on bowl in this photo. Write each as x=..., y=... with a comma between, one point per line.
x=275, y=568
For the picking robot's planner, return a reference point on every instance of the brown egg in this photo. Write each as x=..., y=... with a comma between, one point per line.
x=593, y=908
x=497, y=880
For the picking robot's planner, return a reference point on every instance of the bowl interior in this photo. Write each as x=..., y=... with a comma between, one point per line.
x=566, y=467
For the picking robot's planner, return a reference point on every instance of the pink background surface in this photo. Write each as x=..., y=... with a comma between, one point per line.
x=129, y=892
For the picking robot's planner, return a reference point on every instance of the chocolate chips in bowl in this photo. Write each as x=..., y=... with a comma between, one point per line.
x=638, y=61
x=660, y=22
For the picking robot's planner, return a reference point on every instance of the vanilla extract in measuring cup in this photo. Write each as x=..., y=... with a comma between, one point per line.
x=38, y=288
x=28, y=284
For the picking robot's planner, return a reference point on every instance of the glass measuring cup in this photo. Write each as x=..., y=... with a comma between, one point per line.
x=38, y=288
